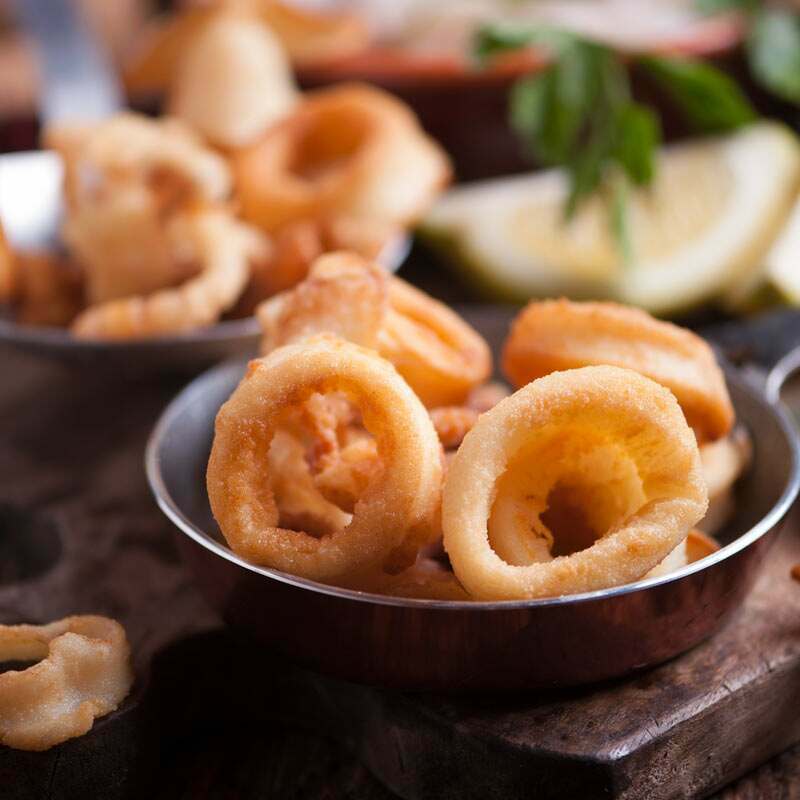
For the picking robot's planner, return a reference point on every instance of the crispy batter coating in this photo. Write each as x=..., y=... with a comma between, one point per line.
x=436, y=351
x=453, y=423
x=400, y=501
x=125, y=179
x=307, y=36
x=232, y=81
x=83, y=672
x=439, y=354
x=49, y=289
x=349, y=150
x=425, y=579
x=581, y=480
x=694, y=547
x=343, y=294
x=221, y=247
x=556, y=335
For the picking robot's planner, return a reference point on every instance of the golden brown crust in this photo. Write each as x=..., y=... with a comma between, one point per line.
x=439, y=354
x=600, y=450
x=400, y=501
x=425, y=579
x=232, y=81
x=307, y=36
x=83, y=672
x=220, y=245
x=126, y=178
x=554, y=335
x=350, y=150
x=49, y=290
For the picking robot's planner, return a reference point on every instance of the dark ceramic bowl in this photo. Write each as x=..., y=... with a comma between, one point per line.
x=416, y=644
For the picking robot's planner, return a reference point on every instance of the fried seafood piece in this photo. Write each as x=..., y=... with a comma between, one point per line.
x=581, y=480
x=232, y=81
x=554, y=335
x=41, y=288
x=436, y=351
x=453, y=423
x=8, y=270
x=300, y=503
x=306, y=36
x=219, y=245
x=49, y=290
x=425, y=579
x=397, y=508
x=694, y=547
x=350, y=150
x=294, y=247
x=724, y=461
x=83, y=672
x=125, y=178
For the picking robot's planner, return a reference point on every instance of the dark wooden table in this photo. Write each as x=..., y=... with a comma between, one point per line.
x=216, y=759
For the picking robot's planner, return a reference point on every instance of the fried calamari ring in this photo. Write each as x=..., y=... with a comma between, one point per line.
x=343, y=295
x=598, y=458
x=723, y=462
x=83, y=672
x=232, y=81
x=559, y=334
x=220, y=245
x=401, y=499
x=439, y=354
x=426, y=579
x=162, y=152
x=125, y=179
x=352, y=150
x=307, y=37
x=694, y=547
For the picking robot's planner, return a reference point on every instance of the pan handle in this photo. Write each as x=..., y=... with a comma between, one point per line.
x=780, y=374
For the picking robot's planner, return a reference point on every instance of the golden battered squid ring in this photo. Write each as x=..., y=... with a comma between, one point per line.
x=400, y=501
x=223, y=248
x=436, y=351
x=598, y=458
x=351, y=150
x=425, y=579
x=559, y=334
x=84, y=672
x=439, y=354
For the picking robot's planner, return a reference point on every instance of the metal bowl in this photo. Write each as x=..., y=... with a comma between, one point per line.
x=31, y=209
x=426, y=644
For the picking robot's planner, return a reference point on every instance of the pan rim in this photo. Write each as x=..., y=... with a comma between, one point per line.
x=195, y=389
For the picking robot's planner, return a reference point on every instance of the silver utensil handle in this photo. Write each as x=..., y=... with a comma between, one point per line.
x=78, y=81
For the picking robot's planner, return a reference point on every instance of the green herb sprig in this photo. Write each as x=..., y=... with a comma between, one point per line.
x=772, y=42
x=579, y=112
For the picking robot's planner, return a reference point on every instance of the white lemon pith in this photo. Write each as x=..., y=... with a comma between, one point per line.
x=705, y=223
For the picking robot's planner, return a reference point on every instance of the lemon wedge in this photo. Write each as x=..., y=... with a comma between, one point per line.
x=705, y=223
x=778, y=281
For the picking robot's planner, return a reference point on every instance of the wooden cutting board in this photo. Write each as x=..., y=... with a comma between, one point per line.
x=80, y=533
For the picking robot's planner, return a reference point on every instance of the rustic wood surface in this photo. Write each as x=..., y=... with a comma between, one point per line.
x=72, y=493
